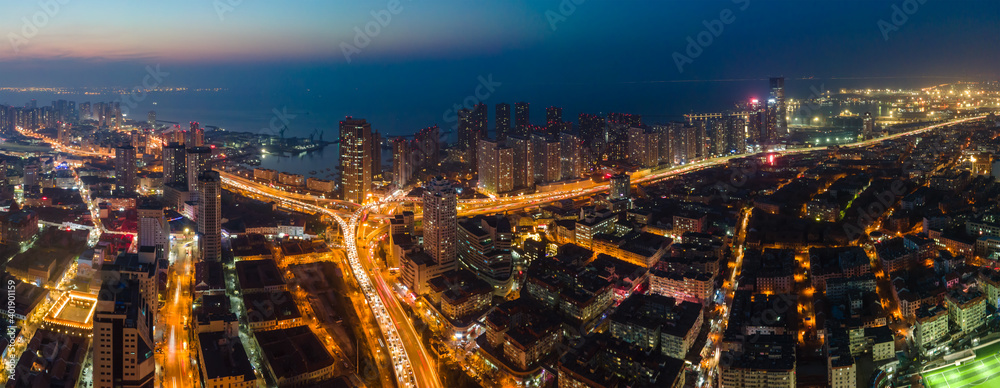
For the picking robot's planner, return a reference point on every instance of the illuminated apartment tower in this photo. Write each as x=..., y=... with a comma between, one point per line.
x=125, y=169
x=355, y=159
x=521, y=119
x=174, y=164
x=440, y=206
x=553, y=120
x=524, y=161
x=548, y=163
x=503, y=120
x=197, y=163
x=197, y=136
x=151, y=118
x=402, y=163
x=777, y=114
x=210, y=216
x=868, y=126
x=123, y=336
x=496, y=164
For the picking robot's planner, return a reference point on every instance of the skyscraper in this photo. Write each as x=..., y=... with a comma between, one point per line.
x=355, y=159
x=125, y=169
x=376, y=155
x=553, y=120
x=197, y=135
x=522, y=119
x=868, y=126
x=570, y=146
x=495, y=167
x=440, y=205
x=197, y=163
x=523, y=161
x=210, y=215
x=402, y=165
x=151, y=118
x=503, y=120
x=174, y=164
x=776, y=107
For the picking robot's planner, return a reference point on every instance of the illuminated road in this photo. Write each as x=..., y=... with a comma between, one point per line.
x=175, y=353
x=425, y=369
x=472, y=207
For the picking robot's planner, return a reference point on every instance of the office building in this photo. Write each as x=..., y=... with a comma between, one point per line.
x=196, y=136
x=440, y=207
x=123, y=337
x=210, y=216
x=125, y=169
x=620, y=186
x=484, y=247
x=355, y=159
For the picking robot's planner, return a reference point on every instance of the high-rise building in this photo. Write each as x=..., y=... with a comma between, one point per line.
x=496, y=167
x=198, y=159
x=151, y=118
x=210, y=216
x=503, y=120
x=524, y=161
x=553, y=120
x=376, y=152
x=402, y=165
x=619, y=186
x=154, y=231
x=522, y=119
x=571, y=146
x=440, y=206
x=548, y=164
x=125, y=169
x=123, y=336
x=868, y=126
x=643, y=147
x=426, y=148
x=591, y=128
x=355, y=159
x=197, y=136
x=777, y=112
x=174, y=164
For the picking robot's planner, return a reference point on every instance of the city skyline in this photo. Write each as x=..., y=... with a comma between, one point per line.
x=500, y=194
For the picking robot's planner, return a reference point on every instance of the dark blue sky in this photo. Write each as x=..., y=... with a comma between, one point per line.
x=604, y=55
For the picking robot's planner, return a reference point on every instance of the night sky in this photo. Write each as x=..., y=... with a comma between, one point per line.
x=601, y=54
